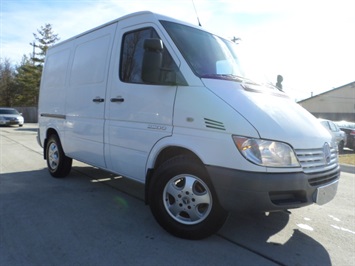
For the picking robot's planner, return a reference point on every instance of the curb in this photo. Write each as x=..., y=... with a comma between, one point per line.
x=347, y=168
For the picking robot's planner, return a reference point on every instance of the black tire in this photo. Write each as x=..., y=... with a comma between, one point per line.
x=341, y=147
x=183, y=200
x=58, y=164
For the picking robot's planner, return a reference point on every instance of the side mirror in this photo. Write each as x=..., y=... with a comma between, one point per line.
x=152, y=60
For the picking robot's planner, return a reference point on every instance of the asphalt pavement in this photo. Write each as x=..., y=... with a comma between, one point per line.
x=93, y=217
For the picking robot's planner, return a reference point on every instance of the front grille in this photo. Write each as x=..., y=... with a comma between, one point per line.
x=315, y=166
x=11, y=119
x=324, y=177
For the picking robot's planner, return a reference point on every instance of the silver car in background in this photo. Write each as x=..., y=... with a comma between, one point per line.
x=349, y=129
x=338, y=135
x=10, y=116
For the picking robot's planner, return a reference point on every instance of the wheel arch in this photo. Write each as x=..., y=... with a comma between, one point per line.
x=164, y=155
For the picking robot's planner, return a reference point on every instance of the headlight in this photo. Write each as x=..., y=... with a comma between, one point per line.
x=266, y=152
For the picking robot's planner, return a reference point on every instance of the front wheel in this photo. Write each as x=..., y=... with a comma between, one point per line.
x=183, y=201
x=341, y=147
x=58, y=164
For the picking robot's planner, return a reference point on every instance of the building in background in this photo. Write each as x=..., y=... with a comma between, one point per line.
x=337, y=104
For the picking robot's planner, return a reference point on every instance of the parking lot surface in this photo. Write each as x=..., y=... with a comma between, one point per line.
x=96, y=218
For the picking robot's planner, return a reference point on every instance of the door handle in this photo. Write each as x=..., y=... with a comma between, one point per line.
x=117, y=100
x=98, y=100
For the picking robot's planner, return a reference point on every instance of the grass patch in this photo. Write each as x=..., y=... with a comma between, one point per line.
x=347, y=159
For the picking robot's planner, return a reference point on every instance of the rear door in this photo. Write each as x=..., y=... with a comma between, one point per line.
x=137, y=114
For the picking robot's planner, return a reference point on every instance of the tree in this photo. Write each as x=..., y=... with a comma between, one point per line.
x=28, y=78
x=7, y=83
x=19, y=86
x=43, y=41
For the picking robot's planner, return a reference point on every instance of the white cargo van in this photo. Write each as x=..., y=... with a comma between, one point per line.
x=165, y=103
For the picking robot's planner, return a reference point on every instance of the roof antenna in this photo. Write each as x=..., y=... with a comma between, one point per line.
x=198, y=20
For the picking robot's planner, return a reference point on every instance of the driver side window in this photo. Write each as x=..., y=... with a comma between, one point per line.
x=132, y=55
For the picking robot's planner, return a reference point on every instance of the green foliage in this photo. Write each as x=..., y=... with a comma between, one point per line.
x=7, y=83
x=28, y=78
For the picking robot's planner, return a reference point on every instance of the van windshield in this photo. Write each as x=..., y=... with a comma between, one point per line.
x=208, y=55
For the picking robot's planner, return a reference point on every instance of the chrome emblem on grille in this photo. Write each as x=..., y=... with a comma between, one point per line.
x=326, y=153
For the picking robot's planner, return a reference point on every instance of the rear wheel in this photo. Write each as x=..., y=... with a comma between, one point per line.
x=58, y=164
x=183, y=201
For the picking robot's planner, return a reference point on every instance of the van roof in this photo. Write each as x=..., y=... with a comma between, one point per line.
x=155, y=16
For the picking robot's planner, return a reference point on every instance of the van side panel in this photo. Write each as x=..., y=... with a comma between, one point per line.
x=55, y=74
x=51, y=107
x=85, y=98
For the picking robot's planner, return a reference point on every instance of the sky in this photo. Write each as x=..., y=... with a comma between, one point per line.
x=311, y=43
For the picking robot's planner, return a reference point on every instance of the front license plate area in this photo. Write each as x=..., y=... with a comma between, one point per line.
x=326, y=193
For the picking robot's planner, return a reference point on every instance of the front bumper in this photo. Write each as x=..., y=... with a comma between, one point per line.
x=11, y=122
x=253, y=191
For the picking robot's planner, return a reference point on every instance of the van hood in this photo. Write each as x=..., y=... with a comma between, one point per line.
x=272, y=113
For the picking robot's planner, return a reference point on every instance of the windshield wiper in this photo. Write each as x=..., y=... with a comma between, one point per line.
x=223, y=77
x=230, y=77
